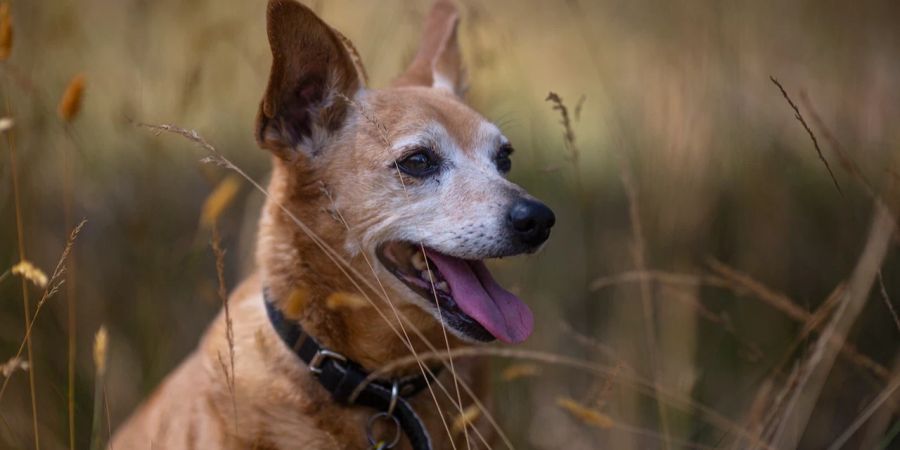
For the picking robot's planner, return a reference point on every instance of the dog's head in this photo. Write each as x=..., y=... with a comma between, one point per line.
x=414, y=179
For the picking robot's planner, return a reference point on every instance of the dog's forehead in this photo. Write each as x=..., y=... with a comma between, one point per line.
x=411, y=113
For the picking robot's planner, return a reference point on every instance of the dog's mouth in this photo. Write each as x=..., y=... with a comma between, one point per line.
x=464, y=292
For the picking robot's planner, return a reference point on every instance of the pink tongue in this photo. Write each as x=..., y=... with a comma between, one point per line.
x=478, y=295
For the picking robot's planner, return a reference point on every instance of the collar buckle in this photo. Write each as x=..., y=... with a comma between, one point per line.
x=315, y=364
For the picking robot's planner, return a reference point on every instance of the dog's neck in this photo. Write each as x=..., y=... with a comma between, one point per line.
x=301, y=278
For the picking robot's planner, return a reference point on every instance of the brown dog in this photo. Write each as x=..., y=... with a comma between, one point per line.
x=388, y=197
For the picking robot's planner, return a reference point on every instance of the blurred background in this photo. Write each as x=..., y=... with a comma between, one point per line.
x=699, y=234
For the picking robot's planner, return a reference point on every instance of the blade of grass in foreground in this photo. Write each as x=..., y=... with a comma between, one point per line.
x=101, y=343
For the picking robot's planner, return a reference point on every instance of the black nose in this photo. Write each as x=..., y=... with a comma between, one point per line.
x=531, y=221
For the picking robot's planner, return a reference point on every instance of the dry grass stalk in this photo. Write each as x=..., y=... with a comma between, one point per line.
x=887, y=301
x=218, y=201
x=14, y=364
x=20, y=236
x=70, y=103
x=680, y=280
x=382, y=131
x=6, y=31
x=632, y=381
x=100, y=350
x=586, y=415
x=776, y=407
x=742, y=282
x=578, y=105
x=571, y=142
x=71, y=294
x=637, y=247
x=370, y=117
x=757, y=409
x=658, y=276
x=566, y=122
x=28, y=271
x=587, y=341
x=50, y=290
x=817, y=367
x=354, y=56
x=649, y=312
x=882, y=397
x=349, y=272
x=745, y=282
x=603, y=388
x=812, y=136
x=845, y=161
x=878, y=427
x=766, y=406
x=229, y=326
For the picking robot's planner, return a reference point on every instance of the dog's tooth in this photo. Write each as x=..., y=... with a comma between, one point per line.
x=418, y=261
x=428, y=275
x=442, y=286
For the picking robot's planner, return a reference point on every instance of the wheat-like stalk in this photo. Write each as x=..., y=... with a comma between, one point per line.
x=229, y=325
x=53, y=284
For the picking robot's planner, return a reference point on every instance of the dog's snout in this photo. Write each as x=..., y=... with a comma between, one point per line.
x=531, y=221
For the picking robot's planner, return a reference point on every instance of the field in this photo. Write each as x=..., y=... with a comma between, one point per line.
x=725, y=269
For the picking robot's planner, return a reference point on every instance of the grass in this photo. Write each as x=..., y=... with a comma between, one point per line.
x=707, y=286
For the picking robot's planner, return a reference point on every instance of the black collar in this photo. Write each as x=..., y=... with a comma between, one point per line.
x=341, y=377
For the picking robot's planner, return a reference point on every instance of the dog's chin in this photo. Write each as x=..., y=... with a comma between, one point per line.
x=458, y=292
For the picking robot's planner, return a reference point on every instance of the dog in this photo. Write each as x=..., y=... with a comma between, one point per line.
x=382, y=206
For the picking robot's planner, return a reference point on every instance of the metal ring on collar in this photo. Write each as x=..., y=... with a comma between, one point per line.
x=371, y=423
x=395, y=393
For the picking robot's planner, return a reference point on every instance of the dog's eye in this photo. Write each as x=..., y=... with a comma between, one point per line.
x=504, y=164
x=419, y=164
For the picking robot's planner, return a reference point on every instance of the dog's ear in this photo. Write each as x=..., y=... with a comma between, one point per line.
x=312, y=75
x=438, y=62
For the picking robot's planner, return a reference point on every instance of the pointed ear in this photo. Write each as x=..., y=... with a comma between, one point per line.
x=438, y=63
x=312, y=70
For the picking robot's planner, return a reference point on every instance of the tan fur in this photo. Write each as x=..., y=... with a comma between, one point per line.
x=330, y=170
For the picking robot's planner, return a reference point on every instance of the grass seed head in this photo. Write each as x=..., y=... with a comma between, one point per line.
x=70, y=103
x=348, y=300
x=516, y=371
x=101, y=341
x=28, y=271
x=584, y=414
x=296, y=301
x=6, y=32
x=15, y=363
x=466, y=418
x=6, y=123
x=219, y=200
